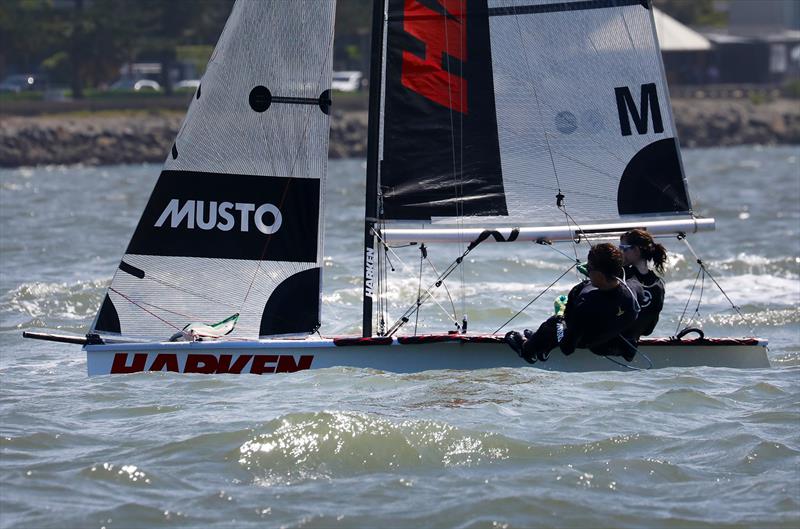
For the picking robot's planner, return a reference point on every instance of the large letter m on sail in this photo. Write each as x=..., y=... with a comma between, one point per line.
x=627, y=109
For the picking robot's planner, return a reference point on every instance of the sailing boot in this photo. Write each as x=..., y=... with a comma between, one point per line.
x=533, y=348
x=517, y=343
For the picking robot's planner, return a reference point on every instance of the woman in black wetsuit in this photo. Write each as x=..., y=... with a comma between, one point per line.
x=599, y=311
x=638, y=249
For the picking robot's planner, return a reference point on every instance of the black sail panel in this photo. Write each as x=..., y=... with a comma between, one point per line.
x=441, y=156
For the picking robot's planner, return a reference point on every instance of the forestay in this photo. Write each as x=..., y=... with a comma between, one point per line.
x=493, y=108
x=234, y=222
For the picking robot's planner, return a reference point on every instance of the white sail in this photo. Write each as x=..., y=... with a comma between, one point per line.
x=234, y=223
x=494, y=108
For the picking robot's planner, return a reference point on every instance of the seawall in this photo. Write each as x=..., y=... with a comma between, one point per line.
x=119, y=138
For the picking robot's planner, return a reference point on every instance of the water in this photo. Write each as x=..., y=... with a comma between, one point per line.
x=693, y=447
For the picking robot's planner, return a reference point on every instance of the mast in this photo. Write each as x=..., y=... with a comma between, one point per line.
x=373, y=147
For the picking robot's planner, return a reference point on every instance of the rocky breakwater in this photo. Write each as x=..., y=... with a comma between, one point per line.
x=121, y=138
x=128, y=138
x=87, y=139
x=719, y=123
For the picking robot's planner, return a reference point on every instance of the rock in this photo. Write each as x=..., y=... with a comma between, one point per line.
x=148, y=137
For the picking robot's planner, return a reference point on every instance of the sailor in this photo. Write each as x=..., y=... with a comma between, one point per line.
x=638, y=249
x=598, y=314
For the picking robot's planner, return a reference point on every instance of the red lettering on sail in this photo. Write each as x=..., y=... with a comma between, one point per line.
x=440, y=34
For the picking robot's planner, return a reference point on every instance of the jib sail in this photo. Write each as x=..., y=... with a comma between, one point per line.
x=493, y=108
x=233, y=225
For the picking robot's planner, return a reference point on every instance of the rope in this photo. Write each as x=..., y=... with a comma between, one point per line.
x=540, y=294
x=422, y=253
x=439, y=280
x=408, y=268
x=689, y=300
x=447, y=290
x=144, y=309
x=682, y=237
x=632, y=368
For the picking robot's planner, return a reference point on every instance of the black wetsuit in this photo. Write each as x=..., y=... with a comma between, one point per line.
x=594, y=319
x=652, y=301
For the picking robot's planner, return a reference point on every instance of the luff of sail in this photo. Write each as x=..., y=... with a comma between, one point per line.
x=234, y=222
x=493, y=108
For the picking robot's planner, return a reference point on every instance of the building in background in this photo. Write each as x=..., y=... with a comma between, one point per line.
x=687, y=54
x=761, y=44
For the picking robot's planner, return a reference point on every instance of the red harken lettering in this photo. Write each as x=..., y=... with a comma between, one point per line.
x=209, y=363
x=440, y=34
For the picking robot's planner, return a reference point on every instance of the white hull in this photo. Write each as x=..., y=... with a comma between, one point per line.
x=406, y=355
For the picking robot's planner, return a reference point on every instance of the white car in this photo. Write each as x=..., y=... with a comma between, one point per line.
x=136, y=85
x=346, y=81
x=187, y=83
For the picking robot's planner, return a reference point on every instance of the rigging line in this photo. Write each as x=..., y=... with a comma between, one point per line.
x=457, y=181
x=462, y=270
x=705, y=270
x=300, y=144
x=264, y=250
x=689, y=300
x=700, y=297
x=533, y=88
x=383, y=290
x=444, y=284
x=628, y=366
x=439, y=280
x=409, y=269
x=540, y=294
x=551, y=245
x=559, y=196
x=419, y=284
x=144, y=309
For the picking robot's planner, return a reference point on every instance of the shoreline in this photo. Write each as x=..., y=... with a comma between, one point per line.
x=108, y=138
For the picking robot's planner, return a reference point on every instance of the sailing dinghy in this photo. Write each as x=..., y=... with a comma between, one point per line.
x=491, y=122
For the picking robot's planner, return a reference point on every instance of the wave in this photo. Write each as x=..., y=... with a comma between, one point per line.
x=744, y=263
x=743, y=289
x=62, y=305
x=301, y=446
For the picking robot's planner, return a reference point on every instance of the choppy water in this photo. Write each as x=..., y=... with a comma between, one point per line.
x=694, y=447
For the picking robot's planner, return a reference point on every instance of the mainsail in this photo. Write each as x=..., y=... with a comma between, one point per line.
x=517, y=111
x=233, y=225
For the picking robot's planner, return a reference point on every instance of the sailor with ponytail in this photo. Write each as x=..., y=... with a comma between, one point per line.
x=599, y=314
x=638, y=251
